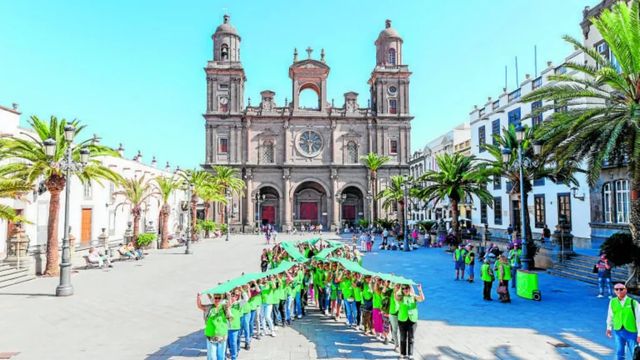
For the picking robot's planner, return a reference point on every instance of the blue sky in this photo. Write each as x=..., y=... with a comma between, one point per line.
x=133, y=70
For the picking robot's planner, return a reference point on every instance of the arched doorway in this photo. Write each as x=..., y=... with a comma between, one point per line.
x=267, y=206
x=310, y=205
x=352, y=207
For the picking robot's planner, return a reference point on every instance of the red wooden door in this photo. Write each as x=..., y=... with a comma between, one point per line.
x=309, y=211
x=269, y=214
x=349, y=212
x=85, y=232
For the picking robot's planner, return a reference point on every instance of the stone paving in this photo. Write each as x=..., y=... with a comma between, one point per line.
x=146, y=310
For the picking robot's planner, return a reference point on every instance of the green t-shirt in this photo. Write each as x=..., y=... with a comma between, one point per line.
x=377, y=300
x=357, y=292
x=236, y=313
x=393, y=306
x=366, y=292
x=347, y=289
x=265, y=292
x=408, y=309
x=216, y=323
x=255, y=302
x=246, y=308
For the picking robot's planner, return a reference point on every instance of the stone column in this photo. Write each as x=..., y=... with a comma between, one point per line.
x=249, y=213
x=208, y=143
x=286, y=199
x=287, y=141
x=333, y=142
x=335, y=206
x=402, y=146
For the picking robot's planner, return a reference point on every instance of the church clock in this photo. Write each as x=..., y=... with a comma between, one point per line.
x=309, y=143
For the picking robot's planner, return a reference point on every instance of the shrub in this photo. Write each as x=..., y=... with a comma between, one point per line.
x=206, y=226
x=426, y=225
x=620, y=249
x=145, y=239
x=224, y=228
x=363, y=223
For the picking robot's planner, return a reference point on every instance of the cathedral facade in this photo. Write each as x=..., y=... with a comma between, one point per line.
x=302, y=166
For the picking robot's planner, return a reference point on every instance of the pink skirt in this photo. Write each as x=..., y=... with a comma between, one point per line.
x=378, y=323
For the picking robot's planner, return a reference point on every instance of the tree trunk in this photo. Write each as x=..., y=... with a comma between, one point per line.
x=164, y=216
x=207, y=210
x=374, y=190
x=55, y=184
x=136, y=225
x=634, y=222
x=455, y=213
x=194, y=218
x=401, y=210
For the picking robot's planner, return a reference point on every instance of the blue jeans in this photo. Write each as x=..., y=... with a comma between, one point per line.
x=252, y=322
x=232, y=342
x=514, y=275
x=470, y=270
x=327, y=298
x=266, y=318
x=604, y=281
x=216, y=351
x=624, y=341
x=350, y=311
x=244, y=329
x=287, y=308
x=298, y=305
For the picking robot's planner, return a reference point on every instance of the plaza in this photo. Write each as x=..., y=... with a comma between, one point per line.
x=146, y=310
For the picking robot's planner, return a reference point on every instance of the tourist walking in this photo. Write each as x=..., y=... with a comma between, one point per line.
x=603, y=268
x=216, y=319
x=458, y=262
x=546, y=234
x=504, y=275
x=235, y=323
x=487, y=276
x=385, y=239
x=369, y=242
x=515, y=259
x=367, y=305
x=622, y=322
x=393, y=317
x=470, y=261
x=408, y=317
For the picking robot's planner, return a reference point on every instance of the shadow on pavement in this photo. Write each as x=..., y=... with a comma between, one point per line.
x=192, y=345
x=26, y=294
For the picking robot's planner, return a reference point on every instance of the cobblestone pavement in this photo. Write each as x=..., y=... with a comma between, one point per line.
x=146, y=310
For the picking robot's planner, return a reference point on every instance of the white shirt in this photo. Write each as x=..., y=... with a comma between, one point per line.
x=622, y=302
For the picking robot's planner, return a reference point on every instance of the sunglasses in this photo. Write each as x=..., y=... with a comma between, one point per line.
x=619, y=289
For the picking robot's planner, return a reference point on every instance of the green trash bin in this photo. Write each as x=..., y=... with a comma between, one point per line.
x=527, y=285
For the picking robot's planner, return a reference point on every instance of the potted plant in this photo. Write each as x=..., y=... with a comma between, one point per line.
x=145, y=239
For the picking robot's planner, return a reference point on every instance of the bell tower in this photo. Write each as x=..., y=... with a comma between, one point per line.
x=225, y=74
x=389, y=82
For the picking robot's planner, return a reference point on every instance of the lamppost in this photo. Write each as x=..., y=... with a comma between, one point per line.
x=406, y=184
x=506, y=157
x=370, y=206
x=341, y=198
x=68, y=166
x=226, y=210
x=259, y=201
x=189, y=202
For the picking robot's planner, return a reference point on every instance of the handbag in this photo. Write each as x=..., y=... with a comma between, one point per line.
x=502, y=290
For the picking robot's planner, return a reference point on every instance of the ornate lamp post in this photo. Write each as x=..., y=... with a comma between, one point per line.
x=259, y=201
x=370, y=206
x=189, y=189
x=226, y=209
x=341, y=198
x=521, y=163
x=68, y=166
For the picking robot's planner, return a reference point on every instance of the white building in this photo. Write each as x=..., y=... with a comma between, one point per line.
x=547, y=201
x=456, y=140
x=93, y=207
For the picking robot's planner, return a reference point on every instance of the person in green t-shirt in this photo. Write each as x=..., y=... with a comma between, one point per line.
x=266, y=316
x=255, y=300
x=349, y=298
x=357, y=296
x=245, y=317
x=376, y=315
x=367, y=304
x=393, y=316
x=216, y=316
x=235, y=323
x=408, y=317
x=503, y=270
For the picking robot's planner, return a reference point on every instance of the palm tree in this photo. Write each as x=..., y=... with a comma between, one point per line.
x=374, y=162
x=226, y=178
x=136, y=192
x=165, y=187
x=33, y=163
x=12, y=188
x=201, y=181
x=394, y=194
x=539, y=166
x=459, y=177
x=607, y=129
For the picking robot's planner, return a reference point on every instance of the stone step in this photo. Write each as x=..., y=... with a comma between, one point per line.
x=584, y=277
x=15, y=276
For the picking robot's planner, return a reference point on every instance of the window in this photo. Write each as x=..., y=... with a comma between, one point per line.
x=560, y=106
x=222, y=86
x=224, y=52
x=564, y=209
x=393, y=106
x=481, y=138
x=561, y=70
x=497, y=182
x=607, y=205
x=352, y=153
x=536, y=119
x=483, y=212
x=538, y=182
x=622, y=201
x=514, y=95
x=267, y=152
x=392, y=56
x=87, y=190
x=514, y=117
x=497, y=210
x=540, y=220
x=495, y=105
x=481, y=112
x=495, y=130
x=393, y=146
x=537, y=82
x=223, y=145
x=509, y=186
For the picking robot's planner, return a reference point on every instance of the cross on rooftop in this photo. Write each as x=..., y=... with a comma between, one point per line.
x=309, y=51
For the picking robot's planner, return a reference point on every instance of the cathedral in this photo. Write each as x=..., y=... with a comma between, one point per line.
x=301, y=165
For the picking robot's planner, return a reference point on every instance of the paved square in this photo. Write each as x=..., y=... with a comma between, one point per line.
x=146, y=310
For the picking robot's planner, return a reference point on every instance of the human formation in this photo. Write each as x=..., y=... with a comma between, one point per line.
x=297, y=277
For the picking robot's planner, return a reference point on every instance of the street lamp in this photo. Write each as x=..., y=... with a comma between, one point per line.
x=226, y=210
x=259, y=201
x=405, y=188
x=506, y=156
x=68, y=166
x=341, y=198
x=189, y=202
x=370, y=206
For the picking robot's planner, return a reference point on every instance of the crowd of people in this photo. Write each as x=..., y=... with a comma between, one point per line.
x=496, y=265
x=324, y=275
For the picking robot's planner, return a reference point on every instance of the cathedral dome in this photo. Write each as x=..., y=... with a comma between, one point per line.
x=389, y=32
x=226, y=28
